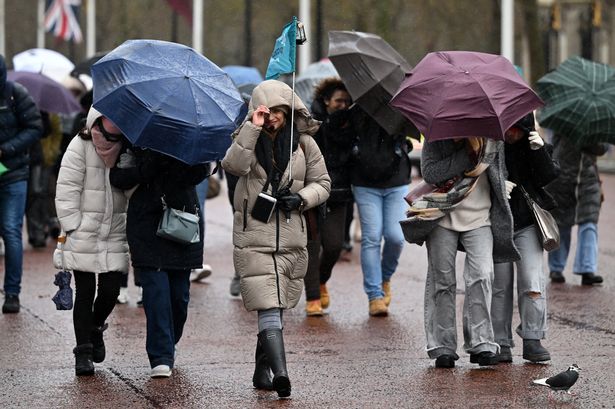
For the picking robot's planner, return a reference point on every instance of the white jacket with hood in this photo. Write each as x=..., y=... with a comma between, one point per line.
x=91, y=210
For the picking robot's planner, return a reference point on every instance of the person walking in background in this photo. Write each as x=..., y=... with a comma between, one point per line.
x=334, y=138
x=578, y=194
x=20, y=128
x=202, y=188
x=163, y=266
x=92, y=214
x=380, y=177
x=530, y=167
x=481, y=224
x=270, y=240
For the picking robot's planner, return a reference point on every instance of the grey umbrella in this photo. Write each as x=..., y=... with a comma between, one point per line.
x=372, y=71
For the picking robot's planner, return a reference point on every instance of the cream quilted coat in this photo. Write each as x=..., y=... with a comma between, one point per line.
x=271, y=258
x=92, y=211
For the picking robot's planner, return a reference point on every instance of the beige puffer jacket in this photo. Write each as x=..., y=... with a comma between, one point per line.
x=92, y=210
x=271, y=258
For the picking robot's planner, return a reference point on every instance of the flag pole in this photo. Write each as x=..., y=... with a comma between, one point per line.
x=292, y=130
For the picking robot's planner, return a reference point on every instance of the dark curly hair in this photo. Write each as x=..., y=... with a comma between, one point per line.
x=328, y=86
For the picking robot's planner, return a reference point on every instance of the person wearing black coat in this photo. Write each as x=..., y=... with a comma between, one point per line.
x=578, y=193
x=163, y=265
x=380, y=177
x=20, y=128
x=530, y=168
x=334, y=138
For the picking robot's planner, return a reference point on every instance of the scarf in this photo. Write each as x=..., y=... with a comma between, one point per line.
x=107, y=150
x=273, y=155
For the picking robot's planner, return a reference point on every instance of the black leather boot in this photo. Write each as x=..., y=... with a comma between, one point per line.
x=273, y=346
x=98, y=344
x=533, y=351
x=262, y=378
x=83, y=360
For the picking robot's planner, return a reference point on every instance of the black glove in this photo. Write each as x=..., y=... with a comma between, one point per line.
x=290, y=202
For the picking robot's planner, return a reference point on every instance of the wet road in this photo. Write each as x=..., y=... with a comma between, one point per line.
x=343, y=360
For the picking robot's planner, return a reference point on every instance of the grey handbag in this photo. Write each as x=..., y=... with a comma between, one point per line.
x=179, y=226
x=548, y=232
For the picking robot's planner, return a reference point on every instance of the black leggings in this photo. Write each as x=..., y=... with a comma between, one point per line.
x=89, y=313
x=323, y=253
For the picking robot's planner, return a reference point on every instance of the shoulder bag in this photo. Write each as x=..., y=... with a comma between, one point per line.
x=179, y=226
x=548, y=232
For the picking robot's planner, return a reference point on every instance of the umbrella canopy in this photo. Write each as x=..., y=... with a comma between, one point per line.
x=372, y=71
x=453, y=94
x=48, y=95
x=84, y=66
x=580, y=101
x=243, y=75
x=311, y=76
x=47, y=62
x=169, y=98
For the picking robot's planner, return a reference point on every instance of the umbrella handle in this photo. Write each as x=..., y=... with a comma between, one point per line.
x=61, y=241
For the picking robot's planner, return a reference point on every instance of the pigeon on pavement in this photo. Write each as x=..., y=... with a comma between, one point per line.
x=563, y=381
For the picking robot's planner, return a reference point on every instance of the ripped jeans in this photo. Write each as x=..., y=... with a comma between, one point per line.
x=531, y=295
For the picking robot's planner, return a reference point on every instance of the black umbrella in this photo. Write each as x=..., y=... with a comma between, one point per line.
x=84, y=66
x=372, y=71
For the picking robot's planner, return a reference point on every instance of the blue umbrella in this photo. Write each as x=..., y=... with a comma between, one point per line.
x=243, y=75
x=169, y=98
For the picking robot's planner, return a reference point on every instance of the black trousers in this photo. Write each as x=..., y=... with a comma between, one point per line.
x=92, y=309
x=324, y=253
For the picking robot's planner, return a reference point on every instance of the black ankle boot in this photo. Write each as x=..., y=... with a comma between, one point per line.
x=590, y=279
x=533, y=351
x=98, y=344
x=83, y=360
x=262, y=378
x=273, y=346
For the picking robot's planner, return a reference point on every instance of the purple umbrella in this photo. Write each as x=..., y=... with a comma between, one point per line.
x=452, y=94
x=47, y=94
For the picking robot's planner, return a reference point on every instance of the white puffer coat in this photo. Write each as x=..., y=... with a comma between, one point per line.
x=92, y=211
x=271, y=258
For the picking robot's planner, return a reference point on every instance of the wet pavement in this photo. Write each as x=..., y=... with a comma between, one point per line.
x=343, y=360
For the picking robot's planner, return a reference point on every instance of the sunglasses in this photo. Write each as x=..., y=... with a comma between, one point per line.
x=111, y=137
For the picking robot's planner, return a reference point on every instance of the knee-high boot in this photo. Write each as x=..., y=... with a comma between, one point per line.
x=273, y=346
x=262, y=378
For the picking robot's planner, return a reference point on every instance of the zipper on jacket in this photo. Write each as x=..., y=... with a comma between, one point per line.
x=245, y=214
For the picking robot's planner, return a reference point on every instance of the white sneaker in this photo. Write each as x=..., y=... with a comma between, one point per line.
x=123, y=297
x=140, y=297
x=198, y=274
x=161, y=371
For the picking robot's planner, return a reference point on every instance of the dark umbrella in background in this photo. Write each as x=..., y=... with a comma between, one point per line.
x=580, y=101
x=85, y=66
x=48, y=95
x=372, y=71
x=169, y=98
x=451, y=94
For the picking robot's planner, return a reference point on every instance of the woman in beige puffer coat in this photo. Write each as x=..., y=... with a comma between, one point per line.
x=92, y=214
x=271, y=256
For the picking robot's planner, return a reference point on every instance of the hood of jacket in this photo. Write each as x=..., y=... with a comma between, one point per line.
x=273, y=93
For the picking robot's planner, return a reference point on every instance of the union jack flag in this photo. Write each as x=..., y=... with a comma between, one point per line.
x=61, y=19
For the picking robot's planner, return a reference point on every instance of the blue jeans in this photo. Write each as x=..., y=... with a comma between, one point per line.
x=12, y=211
x=380, y=211
x=201, y=192
x=586, y=257
x=165, y=301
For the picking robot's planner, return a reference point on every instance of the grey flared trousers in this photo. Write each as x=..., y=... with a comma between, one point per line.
x=530, y=279
x=440, y=292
